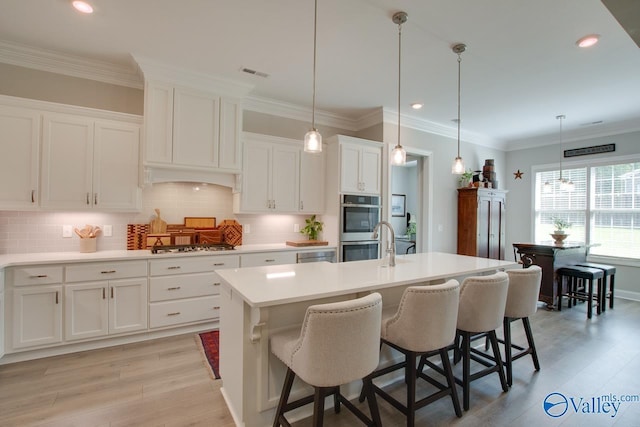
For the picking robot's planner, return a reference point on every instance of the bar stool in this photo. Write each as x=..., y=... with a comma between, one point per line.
x=423, y=325
x=337, y=344
x=481, y=311
x=588, y=275
x=610, y=272
x=522, y=302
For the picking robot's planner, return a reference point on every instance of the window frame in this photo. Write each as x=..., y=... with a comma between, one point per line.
x=588, y=163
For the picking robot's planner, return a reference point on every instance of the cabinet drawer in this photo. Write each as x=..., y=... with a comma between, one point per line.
x=195, y=264
x=42, y=275
x=105, y=271
x=268, y=258
x=170, y=313
x=183, y=286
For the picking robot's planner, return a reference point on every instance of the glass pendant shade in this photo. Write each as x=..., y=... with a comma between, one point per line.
x=313, y=141
x=458, y=166
x=398, y=156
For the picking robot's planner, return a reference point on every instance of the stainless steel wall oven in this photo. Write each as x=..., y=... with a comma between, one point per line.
x=359, y=215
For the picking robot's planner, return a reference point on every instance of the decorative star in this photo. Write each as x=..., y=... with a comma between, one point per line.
x=518, y=174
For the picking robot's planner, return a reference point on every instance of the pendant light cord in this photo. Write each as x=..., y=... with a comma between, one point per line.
x=399, y=76
x=561, y=117
x=459, y=66
x=313, y=102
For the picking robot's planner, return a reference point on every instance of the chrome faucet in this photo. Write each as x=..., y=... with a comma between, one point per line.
x=391, y=248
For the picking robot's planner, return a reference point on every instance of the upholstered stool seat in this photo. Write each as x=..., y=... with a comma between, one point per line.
x=337, y=344
x=588, y=276
x=423, y=325
x=609, y=272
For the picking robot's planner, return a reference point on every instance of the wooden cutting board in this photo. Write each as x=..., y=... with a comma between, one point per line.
x=158, y=225
x=300, y=243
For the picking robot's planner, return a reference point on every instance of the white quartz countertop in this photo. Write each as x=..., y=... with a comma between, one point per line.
x=282, y=284
x=123, y=255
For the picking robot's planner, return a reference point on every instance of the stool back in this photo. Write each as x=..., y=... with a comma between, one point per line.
x=482, y=302
x=524, y=289
x=339, y=342
x=426, y=318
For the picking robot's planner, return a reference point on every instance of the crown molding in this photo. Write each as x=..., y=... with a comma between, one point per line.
x=70, y=65
x=391, y=117
x=297, y=112
x=578, y=134
x=155, y=70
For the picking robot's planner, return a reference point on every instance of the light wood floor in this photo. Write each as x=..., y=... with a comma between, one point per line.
x=165, y=383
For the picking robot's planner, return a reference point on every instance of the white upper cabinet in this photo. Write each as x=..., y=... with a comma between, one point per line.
x=19, y=157
x=278, y=177
x=89, y=163
x=360, y=163
x=191, y=128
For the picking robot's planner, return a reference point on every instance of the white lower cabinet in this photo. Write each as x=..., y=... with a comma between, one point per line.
x=185, y=289
x=36, y=307
x=104, y=308
x=37, y=316
x=96, y=308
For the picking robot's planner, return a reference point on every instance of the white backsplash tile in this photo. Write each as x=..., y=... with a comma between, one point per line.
x=36, y=231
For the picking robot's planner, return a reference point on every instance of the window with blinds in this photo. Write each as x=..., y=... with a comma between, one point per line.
x=603, y=207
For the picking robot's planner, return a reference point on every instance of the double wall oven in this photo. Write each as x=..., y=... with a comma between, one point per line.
x=358, y=217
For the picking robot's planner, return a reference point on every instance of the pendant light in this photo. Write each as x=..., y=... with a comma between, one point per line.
x=565, y=184
x=458, y=164
x=313, y=139
x=399, y=154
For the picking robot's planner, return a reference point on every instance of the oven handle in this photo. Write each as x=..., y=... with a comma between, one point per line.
x=353, y=205
x=360, y=242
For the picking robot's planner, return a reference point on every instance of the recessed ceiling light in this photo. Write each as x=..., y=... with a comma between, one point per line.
x=588, y=41
x=82, y=6
x=417, y=105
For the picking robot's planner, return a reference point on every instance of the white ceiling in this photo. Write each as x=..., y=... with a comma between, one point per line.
x=520, y=70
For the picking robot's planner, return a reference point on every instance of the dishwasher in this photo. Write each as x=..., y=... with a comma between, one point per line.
x=316, y=256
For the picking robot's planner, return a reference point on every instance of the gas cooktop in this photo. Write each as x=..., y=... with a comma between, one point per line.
x=210, y=247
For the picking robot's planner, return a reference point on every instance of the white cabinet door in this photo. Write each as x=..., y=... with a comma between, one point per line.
x=116, y=166
x=127, y=305
x=285, y=178
x=196, y=124
x=370, y=170
x=67, y=162
x=158, y=122
x=256, y=188
x=360, y=169
x=19, y=158
x=312, y=179
x=37, y=316
x=350, y=168
x=230, y=157
x=86, y=310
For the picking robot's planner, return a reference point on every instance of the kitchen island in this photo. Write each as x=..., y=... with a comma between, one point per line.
x=258, y=301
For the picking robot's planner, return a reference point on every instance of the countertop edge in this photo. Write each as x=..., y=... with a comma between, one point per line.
x=10, y=260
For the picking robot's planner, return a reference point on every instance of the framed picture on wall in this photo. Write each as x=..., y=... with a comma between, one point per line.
x=398, y=205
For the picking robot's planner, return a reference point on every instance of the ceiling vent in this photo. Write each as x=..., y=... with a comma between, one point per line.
x=254, y=72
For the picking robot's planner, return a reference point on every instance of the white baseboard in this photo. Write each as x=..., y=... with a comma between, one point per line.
x=634, y=296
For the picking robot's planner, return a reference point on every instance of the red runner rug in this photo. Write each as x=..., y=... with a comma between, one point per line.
x=210, y=346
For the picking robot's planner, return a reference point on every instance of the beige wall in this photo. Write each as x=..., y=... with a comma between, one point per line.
x=45, y=86
x=283, y=127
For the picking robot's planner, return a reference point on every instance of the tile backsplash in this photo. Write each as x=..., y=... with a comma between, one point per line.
x=37, y=231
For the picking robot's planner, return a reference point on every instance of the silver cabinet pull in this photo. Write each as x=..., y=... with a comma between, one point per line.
x=87, y=198
x=104, y=293
x=175, y=267
x=57, y=298
x=216, y=284
x=177, y=313
x=95, y=198
x=33, y=196
x=217, y=264
x=108, y=272
x=269, y=260
x=112, y=293
x=175, y=288
x=216, y=307
x=39, y=276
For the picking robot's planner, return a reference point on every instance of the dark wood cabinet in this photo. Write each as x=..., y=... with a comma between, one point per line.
x=481, y=222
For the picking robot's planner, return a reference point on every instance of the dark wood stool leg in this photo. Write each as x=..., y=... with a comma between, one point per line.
x=451, y=381
x=466, y=369
x=589, y=297
x=532, y=345
x=371, y=400
x=560, y=291
x=611, y=285
x=318, y=407
x=410, y=377
x=336, y=400
x=284, y=396
x=506, y=327
x=498, y=357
